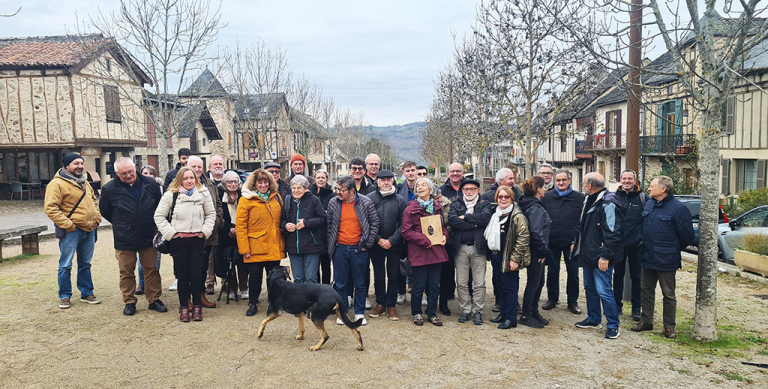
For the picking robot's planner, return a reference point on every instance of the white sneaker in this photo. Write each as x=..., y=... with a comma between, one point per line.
x=358, y=317
x=350, y=301
x=174, y=285
x=424, y=301
x=368, y=304
x=339, y=322
x=232, y=295
x=244, y=295
x=400, y=299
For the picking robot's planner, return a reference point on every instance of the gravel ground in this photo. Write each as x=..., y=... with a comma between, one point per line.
x=96, y=346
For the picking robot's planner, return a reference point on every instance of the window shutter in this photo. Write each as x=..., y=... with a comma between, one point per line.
x=730, y=115
x=726, y=176
x=761, y=173
x=618, y=128
x=660, y=119
x=678, y=117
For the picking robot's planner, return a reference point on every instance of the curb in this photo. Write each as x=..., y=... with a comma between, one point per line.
x=723, y=267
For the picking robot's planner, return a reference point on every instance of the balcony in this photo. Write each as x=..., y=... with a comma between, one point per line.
x=606, y=144
x=667, y=144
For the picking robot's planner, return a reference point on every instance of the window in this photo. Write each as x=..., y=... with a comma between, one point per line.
x=108, y=64
x=563, y=139
x=758, y=218
x=746, y=174
x=669, y=118
x=171, y=164
x=613, y=128
x=728, y=116
x=151, y=132
x=138, y=160
x=112, y=104
x=666, y=168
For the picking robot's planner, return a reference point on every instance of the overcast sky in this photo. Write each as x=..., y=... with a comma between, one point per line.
x=376, y=57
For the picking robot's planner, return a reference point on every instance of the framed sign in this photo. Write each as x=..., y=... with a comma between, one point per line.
x=432, y=227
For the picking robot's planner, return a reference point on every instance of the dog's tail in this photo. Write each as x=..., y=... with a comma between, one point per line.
x=344, y=317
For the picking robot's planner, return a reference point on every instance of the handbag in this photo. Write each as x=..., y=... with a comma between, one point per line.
x=60, y=232
x=162, y=245
x=405, y=267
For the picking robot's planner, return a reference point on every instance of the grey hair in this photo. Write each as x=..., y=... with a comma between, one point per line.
x=596, y=182
x=430, y=184
x=347, y=182
x=368, y=157
x=503, y=173
x=667, y=183
x=322, y=171
x=151, y=169
x=226, y=177
x=631, y=171
x=299, y=179
x=195, y=158
x=568, y=172
x=546, y=165
x=123, y=161
x=216, y=156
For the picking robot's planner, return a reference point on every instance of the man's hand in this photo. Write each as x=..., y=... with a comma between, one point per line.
x=95, y=225
x=572, y=246
x=300, y=224
x=513, y=265
x=385, y=244
x=290, y=227
x=542, y=260
x=602, y=264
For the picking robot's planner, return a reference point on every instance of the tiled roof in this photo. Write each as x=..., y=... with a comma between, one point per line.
x=601, y=80
x=206, y=85
x=259, y=106
x=50, y=51
x=190, y=115
x=617, y=95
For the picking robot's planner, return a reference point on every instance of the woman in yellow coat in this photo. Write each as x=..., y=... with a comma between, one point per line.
x=259, y=238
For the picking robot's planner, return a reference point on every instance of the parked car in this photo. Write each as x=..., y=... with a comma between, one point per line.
x=693, y=203
x=729, y=234
x=243, y=174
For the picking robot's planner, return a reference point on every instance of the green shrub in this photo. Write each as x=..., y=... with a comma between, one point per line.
x=751, y=199
x=755, y=243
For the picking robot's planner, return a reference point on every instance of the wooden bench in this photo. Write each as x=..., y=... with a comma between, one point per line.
x=30, y=242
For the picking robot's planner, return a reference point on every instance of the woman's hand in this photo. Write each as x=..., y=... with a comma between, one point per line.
x=290, y=227
x=300, y=224
x=247, y=255
x=513, y=265
x=201, y=235
x=442, y=242
x=232, y=232
x=176, y=235
x=542, y=260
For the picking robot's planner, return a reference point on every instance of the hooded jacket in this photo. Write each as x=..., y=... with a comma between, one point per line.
x=421, y=252
x=390, y=210
x=133, y=220
x=538, y=225
x=308, y=240
x=667, y=230
x=366, y=215
x=473, y=222
x=257, y=223
x=599, y=231
x=517, y=247
x=564, y=212
x=61, y=195
x=632, y=205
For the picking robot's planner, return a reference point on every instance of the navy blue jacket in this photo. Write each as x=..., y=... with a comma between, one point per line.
x=564, y=212
x=539, y=224
x=667, y=230
x=133, y=221
x=600, y=232
x=447, y=191
x=308, y=240
x=632, y=206
x=405, y=193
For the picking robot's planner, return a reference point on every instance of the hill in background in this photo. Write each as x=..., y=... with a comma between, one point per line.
x=404, y=139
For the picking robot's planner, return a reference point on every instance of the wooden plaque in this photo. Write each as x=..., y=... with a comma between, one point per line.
x=432, y=227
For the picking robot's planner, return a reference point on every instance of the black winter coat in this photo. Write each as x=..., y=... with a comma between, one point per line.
x=538, y=225
x=224, y=239
x=600, y=232
x=324, y=194
x=133, y=222
x=490, y=195
x=170, y=176
x=308, y=240
x=446, y=190
x=564, y=212
x=667, y=230
x=474, y=222
x=390, y=210
x=632, y=222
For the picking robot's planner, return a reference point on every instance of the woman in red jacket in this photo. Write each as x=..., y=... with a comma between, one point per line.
x=425, y=258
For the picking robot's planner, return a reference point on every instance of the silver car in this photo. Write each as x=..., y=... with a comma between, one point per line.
x=730, y=234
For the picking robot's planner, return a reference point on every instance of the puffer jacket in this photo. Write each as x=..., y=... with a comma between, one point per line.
x=133, y=221
x=564, y=212
x=473, y=223
x=632, y=205
x=61, y=195
x=213, y=240
x=667, y=230
x=192, y=213
x=390, y=210
x=539, y=224
x=257, y=227
x=421, y=252
x=599, y=231
x=366, y=215
x=517, y=247
x=308, y=240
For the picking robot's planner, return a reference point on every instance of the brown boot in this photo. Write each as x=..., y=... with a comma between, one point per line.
x=184, y=315
x=206, y=303
x=197, y=313
x=640, y=327
x=669, y=333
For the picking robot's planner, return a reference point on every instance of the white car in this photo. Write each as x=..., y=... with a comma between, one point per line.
x=729, y=235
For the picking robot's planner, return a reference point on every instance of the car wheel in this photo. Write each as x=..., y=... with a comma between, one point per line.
x=720, y=256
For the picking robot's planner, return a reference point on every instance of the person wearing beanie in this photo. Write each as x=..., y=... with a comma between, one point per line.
x=298, y=168
x=70, y=203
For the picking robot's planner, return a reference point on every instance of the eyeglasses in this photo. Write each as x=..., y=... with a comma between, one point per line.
x=356, y=168
x=456, y=171
x=421, y=174
x=373, y=164
x=503, y=197
x=340, y=190
x=233, y=182
x=126, y=174
x=470, y=189
x=545, y=173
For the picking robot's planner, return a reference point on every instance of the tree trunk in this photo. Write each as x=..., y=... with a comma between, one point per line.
x=705, y=319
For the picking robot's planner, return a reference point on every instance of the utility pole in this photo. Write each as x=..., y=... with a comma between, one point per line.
x=633, y=98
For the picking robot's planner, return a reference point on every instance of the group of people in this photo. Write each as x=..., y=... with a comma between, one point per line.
x=434, y=240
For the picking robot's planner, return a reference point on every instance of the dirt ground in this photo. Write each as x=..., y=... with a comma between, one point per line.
x=96, y=346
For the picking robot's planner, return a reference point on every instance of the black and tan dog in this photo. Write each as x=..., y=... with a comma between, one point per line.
x=319, y=300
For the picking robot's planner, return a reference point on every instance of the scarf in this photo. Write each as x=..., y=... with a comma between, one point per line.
x=428, y=205
x=493, y=229
x=566, y=193
x=80, y=180
x=390, y=192
x=550, y=185
x=263, y=196
x=471, y=205
x=187, y=192
x=231, y=206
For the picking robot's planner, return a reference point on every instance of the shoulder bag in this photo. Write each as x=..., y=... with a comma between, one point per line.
x=162, y=245
x=60, y=232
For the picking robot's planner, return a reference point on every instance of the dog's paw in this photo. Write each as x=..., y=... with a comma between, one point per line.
x=313, y=348
x=260, y=335
x=300, y=337
x=360, y=348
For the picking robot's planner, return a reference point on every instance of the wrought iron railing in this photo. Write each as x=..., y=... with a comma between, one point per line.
x=602, y=142
x=667, y=144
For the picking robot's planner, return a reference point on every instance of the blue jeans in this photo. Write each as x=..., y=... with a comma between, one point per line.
x=304, y=267
x=349, y=260
x=81, y=242
x=509, y=286
x=597, y=288
x=553, y=276
x=141, y=269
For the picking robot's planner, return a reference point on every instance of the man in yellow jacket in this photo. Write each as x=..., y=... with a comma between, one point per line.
x=71, y=204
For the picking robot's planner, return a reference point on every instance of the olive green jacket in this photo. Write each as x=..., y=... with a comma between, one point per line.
x=517, y=248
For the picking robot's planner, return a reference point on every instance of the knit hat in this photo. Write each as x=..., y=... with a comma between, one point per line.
x=298, y=157
x=69, y=158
